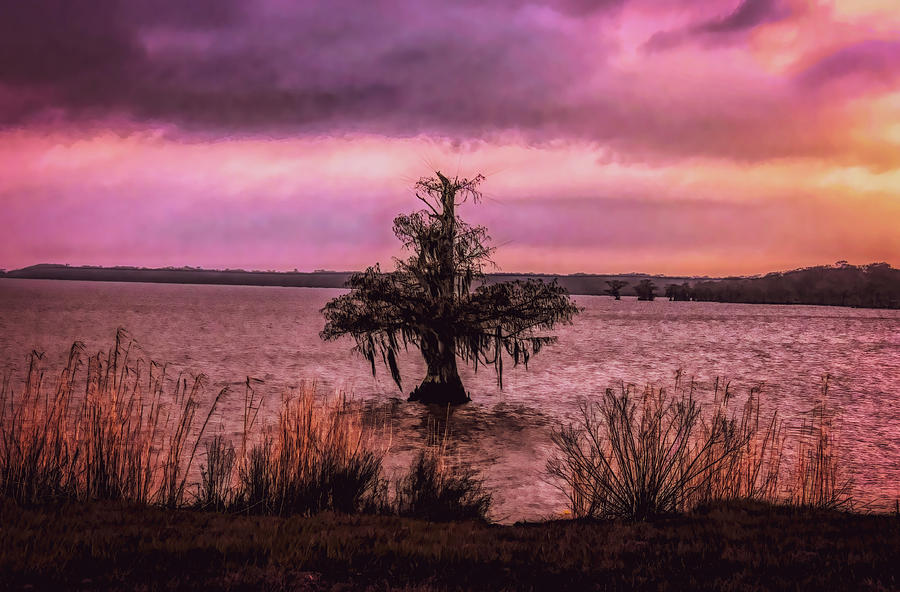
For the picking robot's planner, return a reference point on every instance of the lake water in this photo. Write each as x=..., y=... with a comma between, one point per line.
x=231, y=332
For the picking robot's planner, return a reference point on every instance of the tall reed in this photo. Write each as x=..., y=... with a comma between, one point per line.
x=747, y=462
x=638, y=454
x=112, y=427
x=124, y=436
x=817, y=479
x=317, y=456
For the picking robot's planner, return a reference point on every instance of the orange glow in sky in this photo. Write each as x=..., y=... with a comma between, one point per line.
x=728, y=137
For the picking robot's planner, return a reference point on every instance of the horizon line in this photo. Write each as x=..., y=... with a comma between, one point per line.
x=836, y=264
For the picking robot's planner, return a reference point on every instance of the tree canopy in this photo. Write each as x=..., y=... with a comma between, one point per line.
x=646, y=290
x=615, y=288
x=876, y=285
x=437, y=299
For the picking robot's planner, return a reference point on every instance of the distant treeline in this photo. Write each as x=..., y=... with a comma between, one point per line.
x=876, y=285
x=575, y=284
x=182, y=275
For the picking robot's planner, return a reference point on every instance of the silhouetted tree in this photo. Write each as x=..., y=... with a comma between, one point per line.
x=428, y=302
x=615, y=288
x=678, y=292
x=646, y=290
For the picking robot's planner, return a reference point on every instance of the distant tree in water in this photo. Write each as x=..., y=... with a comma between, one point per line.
x=428, y=302
x=876, y=285
x=679, y=292
x=646, y=290
x=615, y=288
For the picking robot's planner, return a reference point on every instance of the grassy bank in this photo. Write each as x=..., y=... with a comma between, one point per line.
x=109, y=545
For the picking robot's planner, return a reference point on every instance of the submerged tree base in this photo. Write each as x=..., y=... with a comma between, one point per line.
x=443, y=393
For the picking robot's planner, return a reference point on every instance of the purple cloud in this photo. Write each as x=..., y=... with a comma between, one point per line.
x=284, y=68
x=875, y=61
x=541, y=70
x=748, y=15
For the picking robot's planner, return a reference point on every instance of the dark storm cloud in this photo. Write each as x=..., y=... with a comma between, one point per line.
x=85, y=58
x=749, y=14
x=584, y=7
x=54, y=41
x=209, y=64
x=46, y=41
x=542, y=70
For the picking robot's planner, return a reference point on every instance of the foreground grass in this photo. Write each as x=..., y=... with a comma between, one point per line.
x=738, y=546
x=112, y=427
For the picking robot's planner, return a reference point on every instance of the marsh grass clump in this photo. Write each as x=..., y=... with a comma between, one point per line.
x=111, y=427
x=640, y=454
x=103, y=430
x=436, y=489
x=214, y=490
x=438, y=486
x=318, y=456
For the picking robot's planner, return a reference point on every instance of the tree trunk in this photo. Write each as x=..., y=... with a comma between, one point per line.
x=442, y=384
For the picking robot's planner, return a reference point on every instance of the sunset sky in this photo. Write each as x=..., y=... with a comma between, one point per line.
x=660, y=136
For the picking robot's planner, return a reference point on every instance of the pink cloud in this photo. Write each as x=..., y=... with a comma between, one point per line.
x=282, y=134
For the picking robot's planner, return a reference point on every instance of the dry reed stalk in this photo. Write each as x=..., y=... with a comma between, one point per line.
x=636, y=456
x=102, y=442
x=817, y=479
x=751, y=453
x=110, y=432
x=317, y=456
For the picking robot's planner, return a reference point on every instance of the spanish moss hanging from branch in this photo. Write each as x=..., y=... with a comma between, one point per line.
x=429, y=301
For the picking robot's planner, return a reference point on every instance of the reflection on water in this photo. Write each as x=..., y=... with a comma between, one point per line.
x=231, y=332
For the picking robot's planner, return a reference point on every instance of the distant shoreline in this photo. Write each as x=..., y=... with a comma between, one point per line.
x=582, y=284
x=876, y=285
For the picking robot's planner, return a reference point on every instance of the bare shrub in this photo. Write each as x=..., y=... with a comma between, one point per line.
x=636, y=455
